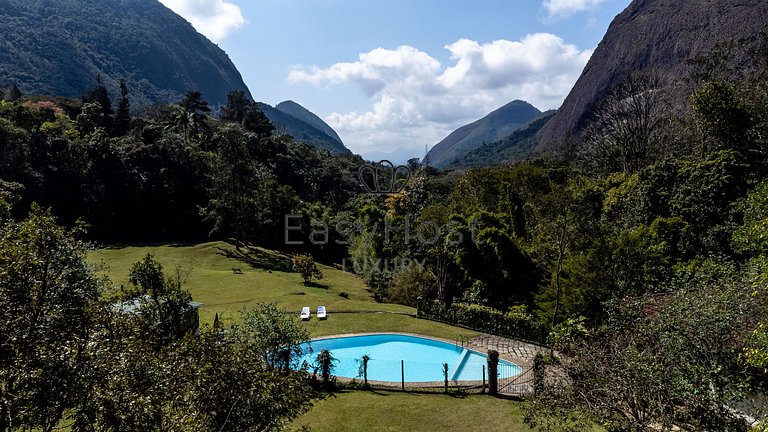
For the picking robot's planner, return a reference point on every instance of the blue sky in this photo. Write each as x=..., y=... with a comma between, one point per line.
x=393, y=76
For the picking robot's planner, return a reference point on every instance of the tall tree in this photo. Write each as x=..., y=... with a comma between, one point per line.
x=257, y=122
x=196, y=109
x=99, y=95
x=48, y=296
x=625, y=132
x=235, y=186
x=720, y=115
x=237, y=107
x=123, y=113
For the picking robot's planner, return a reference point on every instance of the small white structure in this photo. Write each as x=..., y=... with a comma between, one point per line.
x=321, y=313
x=305, y=313
x=190, y=315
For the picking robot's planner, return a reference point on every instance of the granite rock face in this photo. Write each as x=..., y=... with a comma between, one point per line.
x=660, y=37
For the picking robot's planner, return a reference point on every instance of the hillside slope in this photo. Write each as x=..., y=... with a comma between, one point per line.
x=653, y=35
x=62, y=47
x=302, y=131
x=496, y=125
x=514, y=148
x=307, y=116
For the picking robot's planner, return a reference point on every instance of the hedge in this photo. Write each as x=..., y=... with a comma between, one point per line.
x=484, y=319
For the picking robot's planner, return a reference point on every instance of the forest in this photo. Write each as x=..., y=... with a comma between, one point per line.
x=638, y=251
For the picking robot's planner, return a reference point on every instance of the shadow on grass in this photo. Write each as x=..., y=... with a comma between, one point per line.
x=258, y=259
x=123, y=245
x=359, y=388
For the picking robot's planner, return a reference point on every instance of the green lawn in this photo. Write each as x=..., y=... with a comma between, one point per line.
x=394, y=411
x=267, y=277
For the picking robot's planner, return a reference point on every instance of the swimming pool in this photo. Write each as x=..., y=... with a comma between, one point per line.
x=421, y=359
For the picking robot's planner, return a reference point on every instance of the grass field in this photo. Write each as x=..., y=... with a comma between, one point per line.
x=393, y=411
x=267, y=277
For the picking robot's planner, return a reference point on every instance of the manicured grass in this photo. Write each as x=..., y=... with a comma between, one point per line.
x=267, y=277
x=394, y=411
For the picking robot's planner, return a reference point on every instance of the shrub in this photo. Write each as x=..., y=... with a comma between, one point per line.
x=409, y=284
x=514, y=324
x=305, y=265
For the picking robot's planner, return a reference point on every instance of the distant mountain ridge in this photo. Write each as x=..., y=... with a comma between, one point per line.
x=493, y=127
x=61, y=48
x=516, y=147
x=660, y=36
x=307, y=116
x=293, y=119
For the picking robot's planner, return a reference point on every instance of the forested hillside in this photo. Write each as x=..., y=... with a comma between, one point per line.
x=151, y=178
x=64, y=47
x=516, y=147
x=296, y=121
x=493, y=127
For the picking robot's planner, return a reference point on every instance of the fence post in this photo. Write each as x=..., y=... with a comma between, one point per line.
x=483, y=379
x=402, y=373
x=538, y=373
x=445, y=375
x=493, y=375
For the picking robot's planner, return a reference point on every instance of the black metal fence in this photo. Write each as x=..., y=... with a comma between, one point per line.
x=432, y=377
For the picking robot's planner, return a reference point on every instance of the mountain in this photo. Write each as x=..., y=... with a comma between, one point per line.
x=659, y=37
x=62, y=47
x=513, y=148
x=307, y=116
x=492, y=127
x=303, y=130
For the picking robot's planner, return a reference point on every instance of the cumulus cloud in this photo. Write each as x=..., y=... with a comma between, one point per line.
x=563, y=8
x=213, y=18
x=416, y=100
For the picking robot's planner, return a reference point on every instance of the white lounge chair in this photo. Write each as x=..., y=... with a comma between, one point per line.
x=321, y=313
x=305, y=313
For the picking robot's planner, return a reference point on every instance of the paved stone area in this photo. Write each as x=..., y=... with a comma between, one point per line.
x=518, y=352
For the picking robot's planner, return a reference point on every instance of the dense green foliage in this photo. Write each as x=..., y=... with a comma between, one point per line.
x=154, y=180
x=513, y=324
x=72, y=352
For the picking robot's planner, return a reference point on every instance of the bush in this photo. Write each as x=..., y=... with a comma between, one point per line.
x=410, y=284
x=514, y=324
x=305, y=265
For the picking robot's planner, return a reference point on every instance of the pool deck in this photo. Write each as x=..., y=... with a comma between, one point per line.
x=518, y=352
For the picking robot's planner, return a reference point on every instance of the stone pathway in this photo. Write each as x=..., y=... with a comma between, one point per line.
x=520, y=353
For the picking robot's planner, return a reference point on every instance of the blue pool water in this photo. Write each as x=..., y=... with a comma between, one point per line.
x=422, y=358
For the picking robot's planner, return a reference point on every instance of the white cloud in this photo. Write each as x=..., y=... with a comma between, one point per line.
x=557, y=9
x=418, y=101
x=213, y=18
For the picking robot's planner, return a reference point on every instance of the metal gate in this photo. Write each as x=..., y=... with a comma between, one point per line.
x=515, y=384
